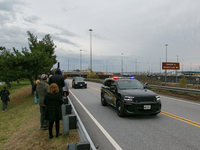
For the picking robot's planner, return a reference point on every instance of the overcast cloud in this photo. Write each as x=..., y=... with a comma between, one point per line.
x=137, y=28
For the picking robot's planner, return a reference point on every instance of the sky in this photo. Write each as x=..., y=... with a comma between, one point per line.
x=127, y=35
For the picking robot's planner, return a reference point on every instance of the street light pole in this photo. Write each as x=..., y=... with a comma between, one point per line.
x=166, y=61
x=80, y=60
x=106, y=67
x=122, y=65
x=68, y=65
x=90, y=48
x=176, y=73
x=136, y=66
x=160, y=65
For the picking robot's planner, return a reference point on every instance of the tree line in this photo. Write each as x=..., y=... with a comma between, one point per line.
x=27, y=63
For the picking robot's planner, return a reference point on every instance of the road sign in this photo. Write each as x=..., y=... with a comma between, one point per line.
x=170, y=66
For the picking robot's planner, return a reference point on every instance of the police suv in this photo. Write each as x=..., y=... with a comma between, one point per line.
x=129, y=96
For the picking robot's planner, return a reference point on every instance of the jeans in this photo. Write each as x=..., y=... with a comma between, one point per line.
x=4, y=105
x=36, y=99
x=44, y=123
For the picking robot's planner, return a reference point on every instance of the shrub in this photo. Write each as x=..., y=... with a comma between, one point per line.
x=183, y=82
x=92, y=75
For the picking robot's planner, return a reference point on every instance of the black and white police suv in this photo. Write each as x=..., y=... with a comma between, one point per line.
x=129, y=96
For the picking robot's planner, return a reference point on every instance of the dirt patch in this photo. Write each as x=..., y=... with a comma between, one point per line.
x=19, y=96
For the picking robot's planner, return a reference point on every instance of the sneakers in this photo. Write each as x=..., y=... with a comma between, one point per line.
x=44, y=128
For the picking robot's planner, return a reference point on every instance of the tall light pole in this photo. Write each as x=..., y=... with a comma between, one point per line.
x=160, y=65
x=122, y=64
x=176, y=73
x=90, y=48
x=68, y=65
x=166, y=61
x=106, y=67
x=136, y=66
x=80, y=60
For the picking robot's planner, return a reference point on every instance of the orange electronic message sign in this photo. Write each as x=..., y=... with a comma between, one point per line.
x=170, y=66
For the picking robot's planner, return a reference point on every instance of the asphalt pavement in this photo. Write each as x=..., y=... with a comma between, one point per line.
x=177, y=127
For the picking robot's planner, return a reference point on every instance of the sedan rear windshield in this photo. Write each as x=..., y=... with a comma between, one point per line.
x=129, y=84
x=79, y=79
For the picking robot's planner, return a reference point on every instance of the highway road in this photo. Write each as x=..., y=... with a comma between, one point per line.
x=177, y=127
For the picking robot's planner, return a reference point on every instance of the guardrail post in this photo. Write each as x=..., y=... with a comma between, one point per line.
x=65, y=125
x=72, y=146
x=63, y=110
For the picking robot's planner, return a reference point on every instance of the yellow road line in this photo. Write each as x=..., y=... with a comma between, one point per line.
x=94, y=89
x=172, y=116
x=181, y=119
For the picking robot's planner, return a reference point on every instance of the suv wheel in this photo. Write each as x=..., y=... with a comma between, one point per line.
x=103, y=101
x=120, y=109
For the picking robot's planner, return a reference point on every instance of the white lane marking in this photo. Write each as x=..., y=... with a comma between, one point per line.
x=112, y=141
x=174, y=99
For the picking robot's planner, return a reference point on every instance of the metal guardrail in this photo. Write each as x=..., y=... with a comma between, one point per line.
x=185, y=90
x=84, y=136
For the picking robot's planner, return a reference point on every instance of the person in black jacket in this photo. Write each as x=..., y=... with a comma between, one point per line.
x=58, y=79
x=53, y=112
x=5, y=98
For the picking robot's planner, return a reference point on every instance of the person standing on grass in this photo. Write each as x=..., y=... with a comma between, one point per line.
x=34, y=89
x=5, y=98
x=53, y=112
x=41, y=90
x=58, y=79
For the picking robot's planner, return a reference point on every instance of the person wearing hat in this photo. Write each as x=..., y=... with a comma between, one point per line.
x=5, y=98
x=41, y=90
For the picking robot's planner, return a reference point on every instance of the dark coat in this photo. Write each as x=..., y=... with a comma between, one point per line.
x=59, y=80
x=53, y=104
x=34, y=87
x=4, y=95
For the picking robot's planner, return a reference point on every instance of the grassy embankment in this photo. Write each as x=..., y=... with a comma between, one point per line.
x=20, y=124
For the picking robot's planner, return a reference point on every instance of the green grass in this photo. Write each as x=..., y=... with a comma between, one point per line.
x=20, y=124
